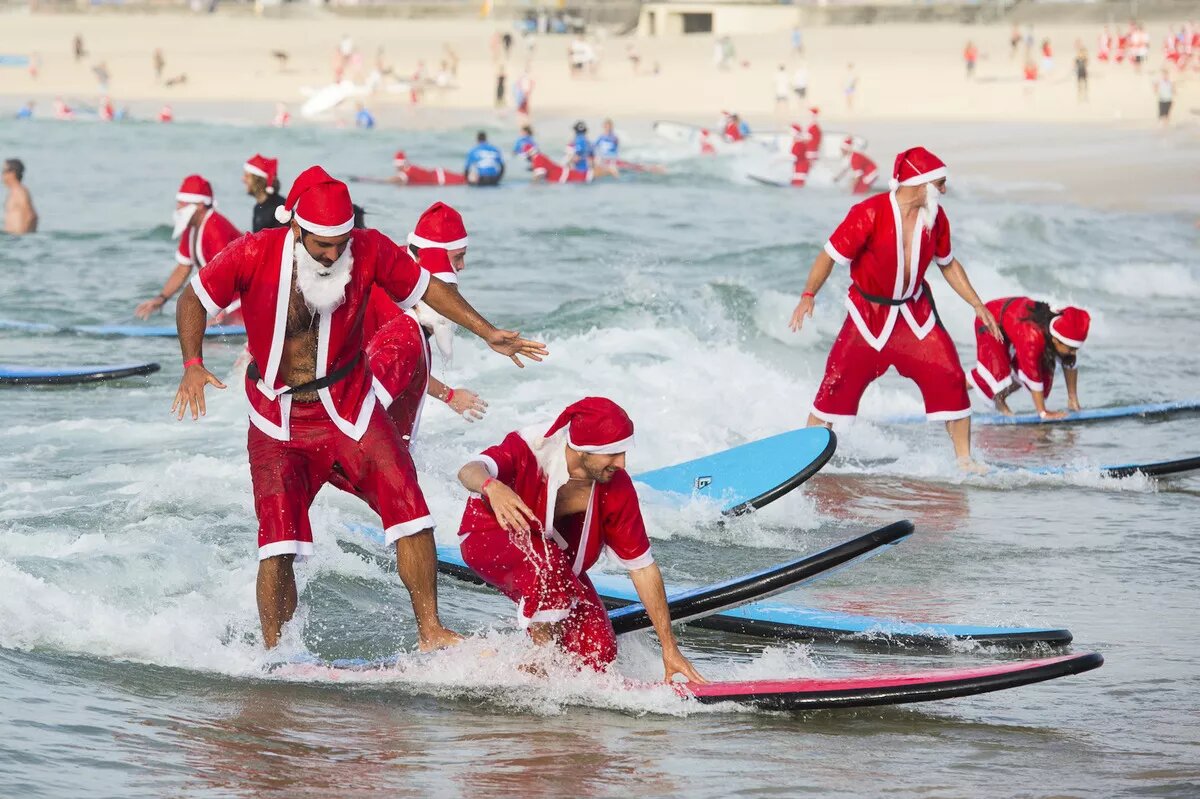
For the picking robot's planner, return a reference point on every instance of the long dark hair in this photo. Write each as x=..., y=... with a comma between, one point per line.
x=1042, y=315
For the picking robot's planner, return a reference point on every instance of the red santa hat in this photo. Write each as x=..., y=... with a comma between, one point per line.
x=195, y=189
x=915, y=167
x=399, y=159
x=596, y=425
x=438, y=230
x=1071, y=326
x=320, y=203
x=265, y=168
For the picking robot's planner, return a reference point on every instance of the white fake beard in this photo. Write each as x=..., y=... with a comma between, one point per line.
x=929, y=210
x=181, y=219
x=323, y=287
x=442, y=328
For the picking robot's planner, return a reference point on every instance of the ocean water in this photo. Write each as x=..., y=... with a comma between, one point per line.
x=129, y=663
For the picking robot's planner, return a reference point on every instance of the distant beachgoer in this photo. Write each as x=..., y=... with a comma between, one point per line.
x=282, y=117
x=62, y=110
x=501, y=78
x=80, y=52
x=1028, y=38
x=484, y=165
x=1047, y=57
x=1035, y=340
x=1031, y=75
x=363, y=118
x=797, y=41
x=851, y=87
x=1014, y=41
x=1105, y=47
x=1081, y=73
x=782, y=89
x=166, y=114
x=507, y=41
x=25, y=111
x=159, y=64
x=105, y=111
x=20, y=217
x=635, y=58
x=523, y=92
x=202, y=232
x=970, y=56
x=800, y=84
x=35, y=65
x=101, y=72
x=1164, y=87
x=1140, y=44
x=261, y=178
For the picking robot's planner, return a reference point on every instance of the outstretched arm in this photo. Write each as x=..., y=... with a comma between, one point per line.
x=178, y=277
x=650, y=590
x=956, y=276
x=463, y=401
x=822, y=268
x=190, y=321
x=446, y=300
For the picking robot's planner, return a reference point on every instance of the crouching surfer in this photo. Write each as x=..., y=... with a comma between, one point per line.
x=545, y=503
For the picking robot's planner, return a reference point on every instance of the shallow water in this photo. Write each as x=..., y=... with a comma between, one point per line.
x=128, y=656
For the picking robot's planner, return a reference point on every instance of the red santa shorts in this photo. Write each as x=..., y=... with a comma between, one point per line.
x=863, y=184
x=288, y=474
x=993, y=367
x=800, y=171
x=932, y=363
x=536, y=574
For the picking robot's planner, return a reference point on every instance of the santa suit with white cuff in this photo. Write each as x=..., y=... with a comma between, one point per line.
x=296, y=446
x=409, y=175
x=545, y=571
x=891, y=319
x=201, y=243
x=1026, y=355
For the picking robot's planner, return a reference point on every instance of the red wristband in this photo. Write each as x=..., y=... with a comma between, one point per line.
x=808, y=294
x=483, y=488
x=197, y=361
x=449, y=395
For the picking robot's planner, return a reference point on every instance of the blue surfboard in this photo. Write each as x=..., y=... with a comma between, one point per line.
x=749, y=476
x=1074, y=417
x=17, y=375
x=141, y=331
x=787, y=622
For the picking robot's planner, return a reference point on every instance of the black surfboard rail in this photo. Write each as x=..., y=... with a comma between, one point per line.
x=98, y=376
x=1159, y=469
x=788, y=485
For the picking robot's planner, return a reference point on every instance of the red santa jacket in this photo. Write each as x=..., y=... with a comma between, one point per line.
x=535, y=468
x=399, y=358
x=419, y=176
x=553, y=173
x=1026, y=342
x=862, y=167
x=868, y=241
x=813, y=143
x=198, y=246
x=259, y=267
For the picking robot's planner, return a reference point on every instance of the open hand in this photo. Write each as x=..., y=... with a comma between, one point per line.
x=146, y=309
x=511, y=511
x=510, y=343
x=191, y=391
x=989, y=321
x=467, y=404
x=803, y=308
x=675, y=663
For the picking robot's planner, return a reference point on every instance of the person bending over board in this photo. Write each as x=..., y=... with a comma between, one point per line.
x=1035, y=339
x=888, y=241
x=19, y=216
x=202, y=232
x=545, y=503
x=313, y=407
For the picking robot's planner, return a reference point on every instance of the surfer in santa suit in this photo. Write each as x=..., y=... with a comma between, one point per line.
x=313, y=407
x=888, y=241
x=1035, y=339
x=545, y=503
x=261, y=177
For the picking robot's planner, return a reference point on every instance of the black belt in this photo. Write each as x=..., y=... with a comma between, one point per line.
x=980, y=327
x=336, y=376
x=882, y=300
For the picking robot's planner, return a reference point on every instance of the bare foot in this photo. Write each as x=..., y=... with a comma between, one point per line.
x=439, y=638
x=972, y=466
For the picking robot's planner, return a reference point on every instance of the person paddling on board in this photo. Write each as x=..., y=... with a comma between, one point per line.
x=545, y=502
x=203, y=232
x=888, y=241
x=261, y=176
x=485, y=166
x=546, y=171
x=862, y=170
x=409, y=175
x=313, y=408
x=580, y=155
x=1035, y=339
x=607, y=150
x=525, y=142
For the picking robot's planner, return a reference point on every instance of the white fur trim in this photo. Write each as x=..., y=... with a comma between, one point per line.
x=181, y=259
x=358, y=427
x=326, y=230
x=640, y=562
x=876, y=342
x=446, y=277
x=489, y=463
x=385, y=397
x=418, y=291
x=832, y=252
x=542, y=616
x=945, y=261
x=996, y=385
x=281, y=431
x=403, y=530
x=925, y=177
x=187, y=197
x=422, y=242
x=948, y=416
x=585, y=534
x=614, y=448
x=301, y=549
x=283, y=295
x=253, y=170
x=1030, y=383
x=1070, y=342
x=832, y=418
x=282, y=215
x=205, y=299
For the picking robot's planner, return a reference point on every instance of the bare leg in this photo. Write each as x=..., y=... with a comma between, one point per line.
x=416, y=562
x=813, y=421
x=276, y=591
x=960, y=436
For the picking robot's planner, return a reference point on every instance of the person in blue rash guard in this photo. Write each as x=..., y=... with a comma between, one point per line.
x=525, y=143
x=485, y=166
x=364, y=119
x=581, y=154
x=607, y=151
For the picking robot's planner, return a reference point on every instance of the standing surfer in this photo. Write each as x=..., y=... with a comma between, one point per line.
x=261, y=177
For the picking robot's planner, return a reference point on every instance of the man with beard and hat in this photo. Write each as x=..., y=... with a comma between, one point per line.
x=202, y=232
x=1035, y=339
x=313, y=408
x=545, y=503
x=261, y=177
x=888, y=241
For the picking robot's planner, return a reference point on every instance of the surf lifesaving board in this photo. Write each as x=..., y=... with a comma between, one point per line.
x=12, y=375
x=1147, y=410
x=139, y=331
x=751, y=475
x=892, y=689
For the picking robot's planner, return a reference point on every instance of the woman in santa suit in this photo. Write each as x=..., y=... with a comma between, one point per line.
x=1036, y=339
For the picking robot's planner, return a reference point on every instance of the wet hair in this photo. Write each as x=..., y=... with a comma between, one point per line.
x=15, y=166
x=1042, y=315
x=481, y=137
